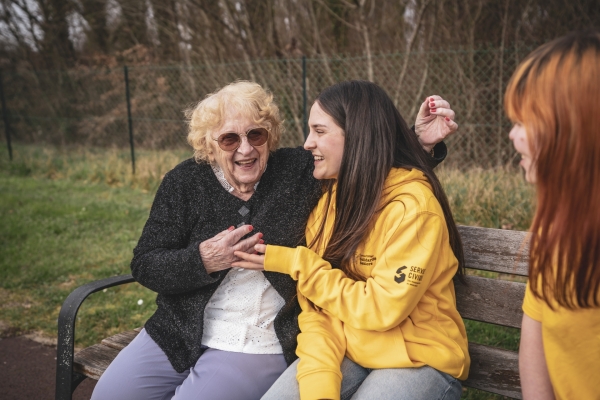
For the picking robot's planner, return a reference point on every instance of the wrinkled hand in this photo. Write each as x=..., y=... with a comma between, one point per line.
x=251, y=261
x=218, y=252
x=435, y=122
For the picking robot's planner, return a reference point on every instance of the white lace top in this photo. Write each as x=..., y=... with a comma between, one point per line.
x=240, y=314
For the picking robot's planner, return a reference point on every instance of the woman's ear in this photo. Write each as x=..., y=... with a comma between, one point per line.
x=210, y=152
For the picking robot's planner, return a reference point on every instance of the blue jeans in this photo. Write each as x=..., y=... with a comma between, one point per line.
x=360, y=383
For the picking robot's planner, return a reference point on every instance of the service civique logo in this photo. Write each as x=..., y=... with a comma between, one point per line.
x=413, y=276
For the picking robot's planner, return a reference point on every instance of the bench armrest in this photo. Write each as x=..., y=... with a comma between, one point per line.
x=66, y=331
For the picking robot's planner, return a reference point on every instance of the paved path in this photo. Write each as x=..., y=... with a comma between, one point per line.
x=27, y=371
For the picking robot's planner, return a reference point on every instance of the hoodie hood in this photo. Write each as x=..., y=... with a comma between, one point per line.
x=401, y=180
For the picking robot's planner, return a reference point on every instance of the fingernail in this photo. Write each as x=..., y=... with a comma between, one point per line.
x=431, y=99
x=261, y=241
x=250, y=228
x=433, y=110
x=260, y=235
x=447, y=119
x=231, y=228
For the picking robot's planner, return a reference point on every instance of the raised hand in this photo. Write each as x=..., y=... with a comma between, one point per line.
x=435, y=122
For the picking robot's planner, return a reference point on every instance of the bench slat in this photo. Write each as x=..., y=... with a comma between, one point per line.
x=491, y=300
x=495, y=250
x=120, y=340
x=494, y=370
x=93, y=361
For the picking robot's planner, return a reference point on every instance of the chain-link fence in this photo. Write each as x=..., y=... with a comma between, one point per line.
x=90, y=106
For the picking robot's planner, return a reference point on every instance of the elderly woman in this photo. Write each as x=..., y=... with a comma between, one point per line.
x=222, y=332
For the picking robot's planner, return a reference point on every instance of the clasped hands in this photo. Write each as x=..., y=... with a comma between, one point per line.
x=227, y=248
x=255, y=261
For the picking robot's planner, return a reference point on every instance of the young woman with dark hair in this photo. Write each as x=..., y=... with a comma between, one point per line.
x=554, y=98
x=375, y=283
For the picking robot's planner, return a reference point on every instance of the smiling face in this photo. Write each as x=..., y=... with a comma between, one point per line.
x=244, y=166
x=518, y=135
x=326, y=142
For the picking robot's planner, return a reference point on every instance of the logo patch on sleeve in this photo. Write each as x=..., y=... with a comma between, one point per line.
x=400, y=276
x=415, y=275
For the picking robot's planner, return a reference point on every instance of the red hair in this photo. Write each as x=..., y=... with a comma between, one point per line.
x=555, y=95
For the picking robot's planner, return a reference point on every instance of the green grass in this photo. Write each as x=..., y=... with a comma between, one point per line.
x=57, y=235
x=71, y=216
x=498, y=198
x=111, y=167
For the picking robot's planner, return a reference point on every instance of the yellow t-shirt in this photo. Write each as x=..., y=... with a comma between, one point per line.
x=571, y=346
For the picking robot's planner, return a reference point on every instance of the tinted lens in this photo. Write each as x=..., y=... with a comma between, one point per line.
x=258, y=136
x=229, y=141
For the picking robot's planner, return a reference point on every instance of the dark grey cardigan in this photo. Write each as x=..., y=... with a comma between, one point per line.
x=190, y=207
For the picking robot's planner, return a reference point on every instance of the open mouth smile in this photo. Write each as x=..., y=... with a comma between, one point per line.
x=245, y=163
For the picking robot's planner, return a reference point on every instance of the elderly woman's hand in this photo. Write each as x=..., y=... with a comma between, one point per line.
x=252, y=261
x=435, y=121
x=218, y=252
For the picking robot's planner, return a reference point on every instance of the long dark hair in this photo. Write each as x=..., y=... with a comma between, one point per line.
x=376, y=138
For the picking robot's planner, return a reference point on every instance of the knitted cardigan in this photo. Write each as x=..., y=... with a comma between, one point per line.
x=190, y=207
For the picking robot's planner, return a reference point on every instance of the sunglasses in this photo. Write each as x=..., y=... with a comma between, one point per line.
x=230, y=141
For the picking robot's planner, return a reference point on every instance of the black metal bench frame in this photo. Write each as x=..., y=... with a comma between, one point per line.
x=66, y=379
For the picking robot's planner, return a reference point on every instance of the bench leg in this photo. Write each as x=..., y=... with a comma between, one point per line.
x=77, y=379
x=65, y=390
x=66, y=379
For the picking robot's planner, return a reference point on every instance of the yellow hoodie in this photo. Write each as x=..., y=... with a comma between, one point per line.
x=403, y=316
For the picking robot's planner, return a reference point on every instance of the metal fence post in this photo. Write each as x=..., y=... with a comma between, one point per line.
x=125, y=70
x=5, y=117
x=304, y=119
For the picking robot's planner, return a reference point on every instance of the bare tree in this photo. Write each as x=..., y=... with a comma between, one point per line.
x=98, y=36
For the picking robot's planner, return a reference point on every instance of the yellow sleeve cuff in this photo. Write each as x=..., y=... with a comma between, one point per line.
x=279, y=259
x=320, y=385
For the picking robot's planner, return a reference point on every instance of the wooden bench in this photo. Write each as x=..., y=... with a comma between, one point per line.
x=494, y=301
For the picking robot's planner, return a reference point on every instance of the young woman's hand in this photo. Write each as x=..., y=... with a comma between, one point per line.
x=435, y=122
x=254, y=261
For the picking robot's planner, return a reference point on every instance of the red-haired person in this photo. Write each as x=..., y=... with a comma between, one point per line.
x=554, y=100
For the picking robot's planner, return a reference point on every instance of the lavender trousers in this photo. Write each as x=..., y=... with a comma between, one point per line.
x=142, y=371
